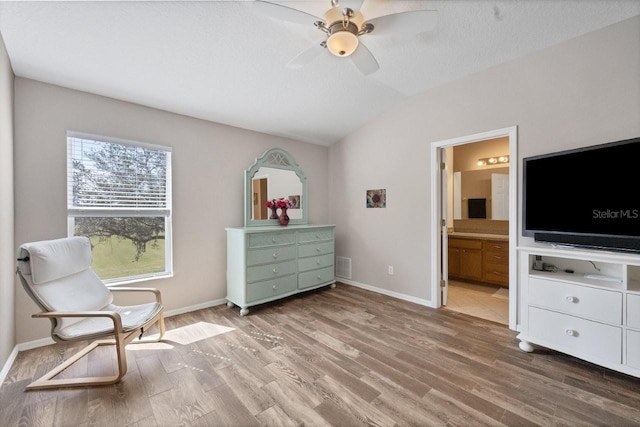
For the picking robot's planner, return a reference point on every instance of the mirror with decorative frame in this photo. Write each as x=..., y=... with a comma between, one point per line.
x=275, y=175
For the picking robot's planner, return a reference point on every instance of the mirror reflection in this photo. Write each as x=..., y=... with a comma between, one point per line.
x=481, y=194
x=272, y=184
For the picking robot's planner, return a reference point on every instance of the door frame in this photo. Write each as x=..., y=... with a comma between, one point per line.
x=437, y=255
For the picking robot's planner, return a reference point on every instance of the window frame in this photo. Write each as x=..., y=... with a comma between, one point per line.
x=103, y=212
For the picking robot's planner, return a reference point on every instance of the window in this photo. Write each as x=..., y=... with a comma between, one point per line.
x=119, y=195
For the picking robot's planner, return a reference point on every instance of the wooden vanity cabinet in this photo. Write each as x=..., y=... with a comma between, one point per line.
x=495, y=265
x=481, y=260
x=465, y=258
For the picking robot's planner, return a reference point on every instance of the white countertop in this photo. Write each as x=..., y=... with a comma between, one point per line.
x=487, y=236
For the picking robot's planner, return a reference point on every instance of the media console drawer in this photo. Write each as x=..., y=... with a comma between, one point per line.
x=575, y=335
x=633, y=349
x=595, y=304
x=633, y=311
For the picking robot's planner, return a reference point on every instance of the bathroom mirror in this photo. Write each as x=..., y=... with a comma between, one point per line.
x=481, y=194
x=274, y=175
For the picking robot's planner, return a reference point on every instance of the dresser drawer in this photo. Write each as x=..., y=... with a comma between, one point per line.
x=315, y=235
x=271, y=271
x=271, y=288
x=270, y=255
x=312, y=249
x=316, y=277
x=311, y=263
x=596, y=304
x=574, y=335
x=271, y=239
x=633, y=311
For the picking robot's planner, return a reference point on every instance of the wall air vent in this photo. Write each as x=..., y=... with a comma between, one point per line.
x=343, y=267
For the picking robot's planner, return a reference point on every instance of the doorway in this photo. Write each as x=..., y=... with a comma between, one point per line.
x=478, y=229
x=443, y=209
x=259, y=189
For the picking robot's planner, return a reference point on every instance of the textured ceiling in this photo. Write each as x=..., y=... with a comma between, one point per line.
x=224, y=62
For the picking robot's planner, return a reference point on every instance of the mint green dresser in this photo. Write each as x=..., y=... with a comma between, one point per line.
x=268, y=263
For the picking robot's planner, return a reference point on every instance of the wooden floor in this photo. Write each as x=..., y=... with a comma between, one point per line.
x=341, y=357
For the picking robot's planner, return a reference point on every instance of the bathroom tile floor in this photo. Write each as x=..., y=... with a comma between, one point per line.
x=483, y=301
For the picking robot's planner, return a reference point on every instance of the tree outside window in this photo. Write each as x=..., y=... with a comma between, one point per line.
x=119, y=196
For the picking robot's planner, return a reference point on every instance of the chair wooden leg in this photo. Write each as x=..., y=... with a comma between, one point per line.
x=120, y=341
x=47, y=381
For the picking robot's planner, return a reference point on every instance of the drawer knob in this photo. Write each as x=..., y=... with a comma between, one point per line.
x=275, y=287
x=273, y=240
x=572, y=333
x=317, y=236
x=319, y=277
x=275, y=255
x=571, y=298
x=318, y=262
x=318, y=249
x=275, y=270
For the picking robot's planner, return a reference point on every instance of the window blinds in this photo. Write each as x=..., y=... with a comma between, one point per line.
x=112, y=178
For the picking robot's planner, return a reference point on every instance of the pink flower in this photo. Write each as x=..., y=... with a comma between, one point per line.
x=284, y=203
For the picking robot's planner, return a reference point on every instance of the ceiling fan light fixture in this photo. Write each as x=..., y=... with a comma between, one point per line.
x=342, y=43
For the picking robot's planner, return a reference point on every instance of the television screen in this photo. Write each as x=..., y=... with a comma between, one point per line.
x=588, y=196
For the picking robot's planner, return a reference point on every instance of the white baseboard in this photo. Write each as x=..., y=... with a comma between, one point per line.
x=196, y=307
x=35, y=344
x=8, y=364
x=398, y=295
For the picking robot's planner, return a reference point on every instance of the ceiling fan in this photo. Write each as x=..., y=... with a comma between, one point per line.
x=342, y=29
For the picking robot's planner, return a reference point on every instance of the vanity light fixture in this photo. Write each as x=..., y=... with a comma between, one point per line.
x=493, y=160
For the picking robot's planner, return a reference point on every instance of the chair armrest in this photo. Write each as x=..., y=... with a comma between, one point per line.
x=117, y=320
x=132, y=289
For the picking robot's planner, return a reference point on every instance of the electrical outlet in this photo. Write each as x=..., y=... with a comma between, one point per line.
x=391, y=270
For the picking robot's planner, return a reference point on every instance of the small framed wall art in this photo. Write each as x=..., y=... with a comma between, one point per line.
x=377, y=198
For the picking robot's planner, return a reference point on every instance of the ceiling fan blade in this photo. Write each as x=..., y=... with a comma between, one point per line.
x=364, y=60
x=285, y=13
x=410, y=22
x=306, y=56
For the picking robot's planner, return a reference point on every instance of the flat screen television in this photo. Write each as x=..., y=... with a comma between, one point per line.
x=587, y=197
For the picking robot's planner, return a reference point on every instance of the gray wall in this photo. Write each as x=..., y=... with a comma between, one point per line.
x=208, y=161
x=7, y=290
x=582, y=92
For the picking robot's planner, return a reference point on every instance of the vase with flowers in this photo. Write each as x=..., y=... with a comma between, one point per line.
x=283, y=205
x=271, y=204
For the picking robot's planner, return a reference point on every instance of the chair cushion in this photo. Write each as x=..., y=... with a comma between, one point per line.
x=55, y=259
x=83, y=291
x=59, y=277
x=133, y=317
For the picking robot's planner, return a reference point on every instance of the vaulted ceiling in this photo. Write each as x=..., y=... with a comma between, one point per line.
x=224, y=61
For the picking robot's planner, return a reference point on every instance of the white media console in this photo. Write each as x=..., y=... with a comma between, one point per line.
x=583, y=303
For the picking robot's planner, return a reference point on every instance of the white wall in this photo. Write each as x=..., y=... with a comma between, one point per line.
x=582, y=92
x=208, y=161
x=7, y=253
